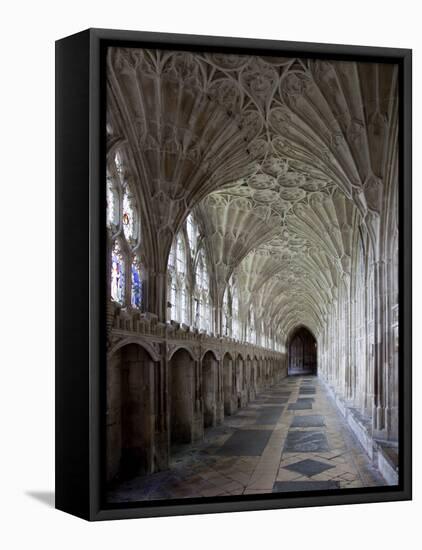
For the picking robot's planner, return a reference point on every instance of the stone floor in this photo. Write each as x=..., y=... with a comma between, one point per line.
x=291, y=438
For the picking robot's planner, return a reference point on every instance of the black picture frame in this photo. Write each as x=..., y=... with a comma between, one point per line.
x=80, y=303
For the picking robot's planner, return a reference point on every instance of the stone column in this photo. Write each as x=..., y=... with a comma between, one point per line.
x=161, y=406
x=220, y=393
x=378, y=417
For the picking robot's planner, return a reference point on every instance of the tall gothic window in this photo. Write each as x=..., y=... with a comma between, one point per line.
x=180, y=257
x=112, y=204
x=123, y=220
x=226, y=317
x=192, y=232
x=177, y=290
x=203, y=303
x=136, y=291
x=129, y=217
x=267, y=339
x=251, y=327
x=184, y=305
x=263, y=332
x=236, y=328
x=117, y=274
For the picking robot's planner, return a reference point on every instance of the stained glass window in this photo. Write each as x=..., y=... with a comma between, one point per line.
x=192, y=231
x=112, y=204
x=262, y=334
x=202, y=272
x=117, y=274
x=119, y=165
x=173, y=300
x=172, y=259
x=197, y=313
x=226, y=313
x=252, y=331
x=177, y=291
x=205, y=320
x=202, y=289
x=136, y=284
x=128, y=218
x=184, y=306
x=235, y=313
x=180, y=256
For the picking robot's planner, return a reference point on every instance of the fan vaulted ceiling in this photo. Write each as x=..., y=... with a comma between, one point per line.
x=283, y=160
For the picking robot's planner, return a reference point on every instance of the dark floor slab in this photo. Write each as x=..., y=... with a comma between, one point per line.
x=267, y=408
x=305, y=389
x=269, y=415
x=245, y=443
x=235, y=422
x=248, y=415
x=305, y=442
x=291, y=486
x=305, y=399
x=300, y=406
x=308, y=421
x=309, y=467
x=276, y=401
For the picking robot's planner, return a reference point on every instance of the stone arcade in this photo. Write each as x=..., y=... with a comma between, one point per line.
x=252, y=231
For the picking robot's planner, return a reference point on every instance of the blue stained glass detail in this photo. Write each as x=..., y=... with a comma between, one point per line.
x=117, y=275
x=136, y=287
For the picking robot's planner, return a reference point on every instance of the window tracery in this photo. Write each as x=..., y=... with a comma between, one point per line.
x=202, y=291
x=177, y=291
x=117, y=274
x=112, y=204
x=129, y=218
x=192, y=232
x=236, y=329
x=251, y=327
x=226, y=317
x=124, y=230
x=136, y=292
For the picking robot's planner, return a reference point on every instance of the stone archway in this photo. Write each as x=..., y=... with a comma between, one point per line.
x=302, y=352
x=181, y=375
x=130, y=412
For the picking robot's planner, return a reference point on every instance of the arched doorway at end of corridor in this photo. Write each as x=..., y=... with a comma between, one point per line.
x=302, y=352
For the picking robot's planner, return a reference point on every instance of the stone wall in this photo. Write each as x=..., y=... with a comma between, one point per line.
x=166, y=385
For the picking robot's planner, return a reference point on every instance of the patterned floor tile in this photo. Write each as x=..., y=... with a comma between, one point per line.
x=300, y=406
x=308, y=421
x=303, y=442
x=309, y=467
x=270, y=445
x=245, y=443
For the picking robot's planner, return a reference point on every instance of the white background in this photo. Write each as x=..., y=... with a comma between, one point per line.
x=28, y=32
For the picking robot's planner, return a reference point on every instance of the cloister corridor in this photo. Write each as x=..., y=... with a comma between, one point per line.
x=290, y=438
x=252, y=274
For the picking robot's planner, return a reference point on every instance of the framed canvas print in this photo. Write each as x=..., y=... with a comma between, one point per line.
x=233, y=274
